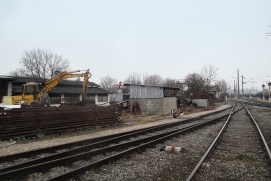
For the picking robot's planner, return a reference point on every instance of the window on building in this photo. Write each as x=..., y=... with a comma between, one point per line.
x=55, y=100
x=91, y=98
x=102, y=98
x=72, y=99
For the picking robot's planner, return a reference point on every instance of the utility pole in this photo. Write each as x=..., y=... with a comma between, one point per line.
x=238, y=93
x=242, y=86
x=269, y=84
x=234, y=89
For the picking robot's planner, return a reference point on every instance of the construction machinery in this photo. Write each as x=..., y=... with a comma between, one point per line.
x=37, y=93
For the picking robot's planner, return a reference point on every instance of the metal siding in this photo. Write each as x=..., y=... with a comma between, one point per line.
x=117, y=98
x=139, y=91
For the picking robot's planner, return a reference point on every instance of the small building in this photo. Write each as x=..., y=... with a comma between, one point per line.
x=131, y=91
x=67, y=91
x=151, y=100
x=5, y=86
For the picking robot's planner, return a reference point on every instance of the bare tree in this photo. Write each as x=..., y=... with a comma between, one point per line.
x=40, y=64
x=153, y=80
x=194, y=82
x=208, y=74
x=133, y=79
x=108, y=83
x=19, y=72
x=221, y=86
x=169, y=82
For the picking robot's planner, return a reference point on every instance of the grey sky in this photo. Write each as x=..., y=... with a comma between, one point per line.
x=118, y=38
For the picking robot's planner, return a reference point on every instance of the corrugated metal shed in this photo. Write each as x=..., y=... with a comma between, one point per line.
x=117, y=98
x=144, y=91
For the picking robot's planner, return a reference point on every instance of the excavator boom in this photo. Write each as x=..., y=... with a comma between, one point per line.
x=40, y=93
x=51, y=83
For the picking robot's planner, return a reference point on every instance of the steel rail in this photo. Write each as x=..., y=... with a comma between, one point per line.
x=29, y=122
x=210, y=148
x=203, y=158
x=261, y=134
x=99, y=139
x=32, y=122
x=35, y=164
x=99, y=142
x=109, y=159
x=45, y=166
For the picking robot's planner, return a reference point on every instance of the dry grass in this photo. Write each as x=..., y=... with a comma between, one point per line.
x=142, y=119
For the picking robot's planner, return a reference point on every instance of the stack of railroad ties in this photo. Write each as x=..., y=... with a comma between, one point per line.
x=34, y=121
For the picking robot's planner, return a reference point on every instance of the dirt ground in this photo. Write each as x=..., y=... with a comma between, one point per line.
x=130, y=122
x=187, y=110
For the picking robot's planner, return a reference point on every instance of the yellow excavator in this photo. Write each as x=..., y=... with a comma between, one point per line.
x=37, y=93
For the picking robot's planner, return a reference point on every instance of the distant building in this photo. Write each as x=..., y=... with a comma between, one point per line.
x=148, y=100
x=67, y=91
x=5, y=86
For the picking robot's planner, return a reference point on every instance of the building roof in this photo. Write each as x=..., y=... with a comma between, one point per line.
x=77, y=90
x=4, y=77
x=141, y=85
x=28, y=79
x=65, y=86
x=41, y=80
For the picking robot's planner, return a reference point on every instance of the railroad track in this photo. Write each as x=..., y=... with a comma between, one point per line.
x=238, y=152
x=263, y=116
x=72, y=160
x=152, y=165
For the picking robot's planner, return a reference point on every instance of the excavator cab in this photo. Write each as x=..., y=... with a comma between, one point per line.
x=30, y=89
x=36, y=94
x=29, y=94
x=37, y=98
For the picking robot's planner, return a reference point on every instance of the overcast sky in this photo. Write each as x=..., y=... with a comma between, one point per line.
x=118, y=38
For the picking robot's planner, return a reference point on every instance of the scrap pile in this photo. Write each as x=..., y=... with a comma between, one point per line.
x=28, y=122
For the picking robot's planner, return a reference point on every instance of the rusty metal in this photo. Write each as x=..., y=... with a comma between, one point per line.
x=29, y=122
x=102, y=146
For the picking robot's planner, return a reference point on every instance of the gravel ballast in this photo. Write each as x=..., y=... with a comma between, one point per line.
x=53, y=140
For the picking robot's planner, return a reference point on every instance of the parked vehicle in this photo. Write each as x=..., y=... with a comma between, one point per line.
x=36, y=94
